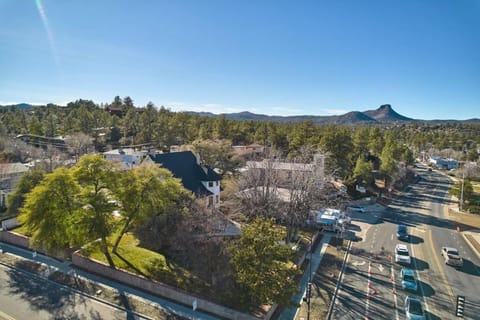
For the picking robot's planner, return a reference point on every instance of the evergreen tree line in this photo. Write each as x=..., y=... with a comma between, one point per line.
x=162, y=128
x=353, y=151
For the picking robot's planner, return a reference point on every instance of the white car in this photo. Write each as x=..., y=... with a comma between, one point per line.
x=402, y=256
x=452, y=257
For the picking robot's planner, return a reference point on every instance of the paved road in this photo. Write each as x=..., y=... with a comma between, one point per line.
x=371, y=288
x=367, y=291
x=24, y=296
x=445, y=282
x=174, y=309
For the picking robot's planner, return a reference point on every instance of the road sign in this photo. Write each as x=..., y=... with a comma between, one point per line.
x=194, y=305
x=460, y=309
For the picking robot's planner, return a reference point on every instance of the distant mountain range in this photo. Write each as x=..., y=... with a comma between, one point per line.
x=383, y=115
x=18, y=106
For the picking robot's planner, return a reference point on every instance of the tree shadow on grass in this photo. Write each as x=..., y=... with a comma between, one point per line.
x=131, y=266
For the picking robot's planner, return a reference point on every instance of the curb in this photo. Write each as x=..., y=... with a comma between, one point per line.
x=82, y=293
x=468, y=241
x=339, y=280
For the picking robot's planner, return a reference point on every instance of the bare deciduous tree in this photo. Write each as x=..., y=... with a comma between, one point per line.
x=305, y=181
x=285, y=191
x=258, y=185
x=79, y=144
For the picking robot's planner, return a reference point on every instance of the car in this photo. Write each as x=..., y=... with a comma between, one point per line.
x=414, y=308
x=402, y=256
x=356, y=208
x=408, y=279
x=452, y=257
x=402, y=233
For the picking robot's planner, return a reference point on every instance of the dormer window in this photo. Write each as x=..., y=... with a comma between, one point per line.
x=210, y=184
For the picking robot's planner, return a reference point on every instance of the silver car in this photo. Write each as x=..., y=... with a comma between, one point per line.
x=452, y=257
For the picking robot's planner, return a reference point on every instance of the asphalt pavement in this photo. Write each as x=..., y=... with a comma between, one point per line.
x=53, y=265
x=371, y=288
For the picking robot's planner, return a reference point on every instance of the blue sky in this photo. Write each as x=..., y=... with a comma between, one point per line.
x=272, y=57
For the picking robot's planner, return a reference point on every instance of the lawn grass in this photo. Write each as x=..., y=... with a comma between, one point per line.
x=22, y=230
x=153, y=265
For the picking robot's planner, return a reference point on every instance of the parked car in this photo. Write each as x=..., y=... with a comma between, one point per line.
x=402, y=233
x=356, y=208
x=402, y=256
x=452, y=257
x=414, y=308
x=408, y=279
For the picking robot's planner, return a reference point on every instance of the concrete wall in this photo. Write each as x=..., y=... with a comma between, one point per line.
x=302, y=258
x=160, y=289
x=142, y=283
x=15, y=239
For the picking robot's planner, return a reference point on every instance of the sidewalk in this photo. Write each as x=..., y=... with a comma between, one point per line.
x=168, y=307
x=317, y=255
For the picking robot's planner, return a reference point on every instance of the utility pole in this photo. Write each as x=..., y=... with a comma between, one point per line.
x=308, y=293
x=461, y=192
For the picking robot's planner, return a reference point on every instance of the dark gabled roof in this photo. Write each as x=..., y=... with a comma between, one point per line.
x=184, y=166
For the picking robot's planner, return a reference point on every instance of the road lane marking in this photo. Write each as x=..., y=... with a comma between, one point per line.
x=394, y=292
x=440, y=268
x=367, y=304
x=380, y=267
x=5, y=316
x=358, y=263
x=420, y=282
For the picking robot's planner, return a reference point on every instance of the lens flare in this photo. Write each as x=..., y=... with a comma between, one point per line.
x=48, y=30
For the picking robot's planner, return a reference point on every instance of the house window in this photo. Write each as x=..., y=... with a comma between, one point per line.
x=217, y=199
x=210, y=184
x=216, y=183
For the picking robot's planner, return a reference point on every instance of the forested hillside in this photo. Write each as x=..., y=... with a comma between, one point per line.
x=123, y=123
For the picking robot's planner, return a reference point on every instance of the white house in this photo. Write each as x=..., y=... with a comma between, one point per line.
x=443, y=163
x=128, y=157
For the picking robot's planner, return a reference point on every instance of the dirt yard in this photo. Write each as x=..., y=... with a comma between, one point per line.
x=324, y=282
x=466, y=221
